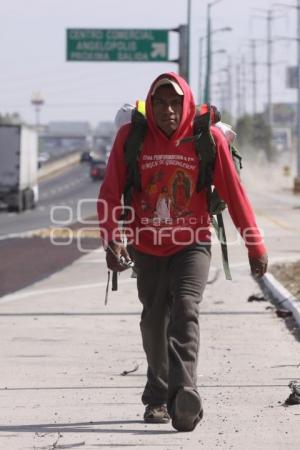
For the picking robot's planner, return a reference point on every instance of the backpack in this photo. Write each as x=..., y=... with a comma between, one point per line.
x=206, y=151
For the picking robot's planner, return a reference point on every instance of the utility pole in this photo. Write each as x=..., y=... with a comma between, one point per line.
x=37, y=102
x=269, y=17
x=209, y=51
x=208, y=57
x=200, y=94
x=297, y=178
x=225, y=90
x=184, y=45
x=243, y=85
x=240, y=87
x=189, y=10
x=229, y=87
x=238, y=90
x=183, y=51
x=269, y=69
x=254, y=78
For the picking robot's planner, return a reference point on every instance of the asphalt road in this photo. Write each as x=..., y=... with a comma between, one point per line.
x=64, y=200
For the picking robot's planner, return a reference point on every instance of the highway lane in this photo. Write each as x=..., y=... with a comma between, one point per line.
x=277, y=211
x=25, y=261
x=59, y=199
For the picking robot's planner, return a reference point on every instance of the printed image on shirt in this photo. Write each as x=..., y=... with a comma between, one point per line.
x=163, y=205
x=151, y=191
x=181, y=187
x=163, y=202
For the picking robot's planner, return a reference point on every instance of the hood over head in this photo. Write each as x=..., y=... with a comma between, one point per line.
x=165, y=82
x=182, y=88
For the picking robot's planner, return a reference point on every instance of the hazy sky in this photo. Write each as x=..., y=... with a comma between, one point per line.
x=33, y=52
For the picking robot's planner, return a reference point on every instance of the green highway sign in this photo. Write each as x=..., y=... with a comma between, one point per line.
x=117, y=45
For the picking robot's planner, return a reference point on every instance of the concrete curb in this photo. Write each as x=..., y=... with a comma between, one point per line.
x=279, y=295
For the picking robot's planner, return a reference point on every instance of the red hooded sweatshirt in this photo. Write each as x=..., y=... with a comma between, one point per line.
x=168, y=212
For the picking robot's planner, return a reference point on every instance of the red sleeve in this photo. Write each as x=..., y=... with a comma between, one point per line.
x=230, y=189
x=109, y=205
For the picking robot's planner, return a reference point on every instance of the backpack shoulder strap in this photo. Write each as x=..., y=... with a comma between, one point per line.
x=132, y=150
x=205, y=147
x=236, y=157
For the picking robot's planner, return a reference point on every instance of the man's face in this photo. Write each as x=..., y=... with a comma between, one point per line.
x=167, y=109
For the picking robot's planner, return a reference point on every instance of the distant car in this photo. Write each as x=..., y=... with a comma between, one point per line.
x=42, y=158
x=86, y=156
x=97, y=169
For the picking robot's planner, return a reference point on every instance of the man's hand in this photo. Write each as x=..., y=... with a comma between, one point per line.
x=258, y=265
x=115, y=251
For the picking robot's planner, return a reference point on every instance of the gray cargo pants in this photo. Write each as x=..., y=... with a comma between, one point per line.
x=170, y=289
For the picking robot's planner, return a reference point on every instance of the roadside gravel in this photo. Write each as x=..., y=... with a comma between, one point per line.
x=288, y=274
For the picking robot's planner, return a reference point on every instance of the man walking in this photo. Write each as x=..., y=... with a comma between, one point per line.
x=169, y=237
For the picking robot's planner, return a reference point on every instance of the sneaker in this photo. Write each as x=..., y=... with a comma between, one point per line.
x=187, y=410
x=156, y=414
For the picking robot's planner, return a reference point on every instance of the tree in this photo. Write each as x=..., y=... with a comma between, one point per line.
x=11, y=119
x=254, y=131
x=244, y=128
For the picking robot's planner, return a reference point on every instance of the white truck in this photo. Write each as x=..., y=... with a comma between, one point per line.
x=18, y=167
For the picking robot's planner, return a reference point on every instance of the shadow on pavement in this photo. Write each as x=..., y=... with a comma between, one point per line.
x=83, y=427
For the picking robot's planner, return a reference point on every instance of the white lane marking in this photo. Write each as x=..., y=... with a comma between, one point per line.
x=13, y=297
x=96, y=261
x=21, y=234
x=30, y=233
x=98, y=250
